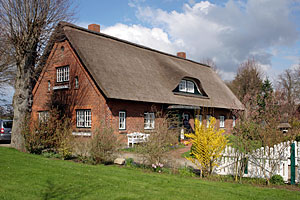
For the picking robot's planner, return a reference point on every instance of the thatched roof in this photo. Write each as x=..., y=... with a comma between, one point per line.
x=124, y=70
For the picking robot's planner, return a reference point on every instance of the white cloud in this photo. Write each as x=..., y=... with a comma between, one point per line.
x=226, y=75
x=134, y=3
x=228, y=34
x=155, y=38
x=192, y=2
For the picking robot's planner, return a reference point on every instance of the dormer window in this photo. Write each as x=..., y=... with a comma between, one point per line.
x=186, y=86
x=190, y=87
x=182, y=86
x=62, y=74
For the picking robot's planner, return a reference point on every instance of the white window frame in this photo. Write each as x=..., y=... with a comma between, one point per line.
x=190, y=87
x=49, y=85
x=208, y=120
x=122, y=120
x=43, y=116
x=199, y=117
x=187, y=86
x=76, y=82
x=84, y=118
x=149, y=120
x=62, y=74
x=222, y=121
x=233, y=121
x=182, y=86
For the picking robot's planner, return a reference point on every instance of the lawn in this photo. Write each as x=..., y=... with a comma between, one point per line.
x=25, y=176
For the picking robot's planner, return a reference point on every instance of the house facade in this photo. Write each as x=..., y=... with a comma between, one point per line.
x=98, y=79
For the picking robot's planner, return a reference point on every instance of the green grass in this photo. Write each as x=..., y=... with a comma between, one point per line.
x=25, y=176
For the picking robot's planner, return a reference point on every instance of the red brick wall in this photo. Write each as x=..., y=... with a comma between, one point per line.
x=87, y=96
x=135, y=115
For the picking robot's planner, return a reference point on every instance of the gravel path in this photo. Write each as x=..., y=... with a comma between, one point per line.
x=174, y=158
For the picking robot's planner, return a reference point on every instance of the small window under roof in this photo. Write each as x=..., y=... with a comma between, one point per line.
x=188, y=86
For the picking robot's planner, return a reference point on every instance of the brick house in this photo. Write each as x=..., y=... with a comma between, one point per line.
x=97, y=78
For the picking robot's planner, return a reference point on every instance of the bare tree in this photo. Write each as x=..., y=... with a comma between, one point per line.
x=26, y=26
x=7, y=69
x=287, y=84
x=210, y=62
x=248, y=79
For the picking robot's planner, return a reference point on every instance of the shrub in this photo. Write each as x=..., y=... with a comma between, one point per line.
x=166, y=170
x=50, y=154
x=153, y=150
x=129, y=162
x=186, y=171
x=297, y=139
x=82, y=149
x=54, y=135
x=207, y=146
x=277, y=180
x=157, y=167
x=104, y=146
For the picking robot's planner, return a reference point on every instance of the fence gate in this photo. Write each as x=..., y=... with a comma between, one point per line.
x=293, y=167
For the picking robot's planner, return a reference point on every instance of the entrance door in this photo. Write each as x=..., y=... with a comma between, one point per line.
x=185, y=116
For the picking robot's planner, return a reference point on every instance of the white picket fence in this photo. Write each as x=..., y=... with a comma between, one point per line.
x=275, y=159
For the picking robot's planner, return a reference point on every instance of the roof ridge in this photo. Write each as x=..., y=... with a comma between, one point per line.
x=63, y=24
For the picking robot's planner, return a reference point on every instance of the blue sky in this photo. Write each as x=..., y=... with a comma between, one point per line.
x=226, y=31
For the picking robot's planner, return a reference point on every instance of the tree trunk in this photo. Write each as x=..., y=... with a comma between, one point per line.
x=22, y=100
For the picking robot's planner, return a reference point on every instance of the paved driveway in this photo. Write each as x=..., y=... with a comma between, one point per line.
x=5, y=144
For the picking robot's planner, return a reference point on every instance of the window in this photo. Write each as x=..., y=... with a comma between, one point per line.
x=149, y=120
x=62, y=74
x=43, y=116
x=199, y=117
x=49, y=85
x=7, y=124
x=185, y=116
x=190, y=87
x=122, y=120
x=84, y=118
x=222, y=121
x=233, y=121
x=76, y=82
x=208, y=120
x=186, y=86
x=182, y=86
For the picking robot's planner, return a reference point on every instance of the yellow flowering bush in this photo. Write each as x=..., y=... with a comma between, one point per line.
x=208, y=143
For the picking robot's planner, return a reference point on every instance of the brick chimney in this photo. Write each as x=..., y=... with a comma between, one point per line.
x=94, y=27
x=181, y=54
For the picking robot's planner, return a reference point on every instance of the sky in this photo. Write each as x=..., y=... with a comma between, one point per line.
x=226, y=31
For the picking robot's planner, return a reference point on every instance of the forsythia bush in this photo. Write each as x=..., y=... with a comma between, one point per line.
x=207, y=146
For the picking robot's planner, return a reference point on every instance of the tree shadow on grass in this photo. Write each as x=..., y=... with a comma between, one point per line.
x=63, y=191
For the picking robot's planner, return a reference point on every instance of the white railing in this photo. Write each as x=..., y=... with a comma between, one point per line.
x=262, y=162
